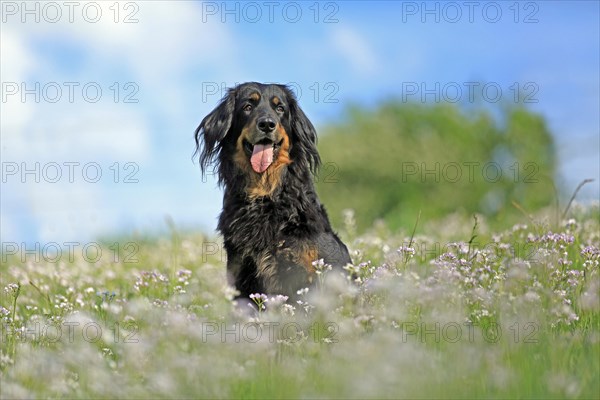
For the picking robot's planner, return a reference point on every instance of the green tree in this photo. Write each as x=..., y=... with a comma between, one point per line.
x=391, y=162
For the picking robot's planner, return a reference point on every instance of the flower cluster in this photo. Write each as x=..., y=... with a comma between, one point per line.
x=467, y=315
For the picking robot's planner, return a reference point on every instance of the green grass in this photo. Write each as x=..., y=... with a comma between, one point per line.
x=419, y=322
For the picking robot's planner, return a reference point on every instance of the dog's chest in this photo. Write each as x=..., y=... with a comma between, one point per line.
x=260, y=225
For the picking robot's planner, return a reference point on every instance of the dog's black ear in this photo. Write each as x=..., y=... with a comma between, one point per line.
x=305, y=134
x=213, y=129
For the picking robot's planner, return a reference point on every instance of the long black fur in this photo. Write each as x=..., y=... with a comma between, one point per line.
x=264, y=236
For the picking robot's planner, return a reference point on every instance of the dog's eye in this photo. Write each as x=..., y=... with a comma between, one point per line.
x=248, y=107
x=280, y=108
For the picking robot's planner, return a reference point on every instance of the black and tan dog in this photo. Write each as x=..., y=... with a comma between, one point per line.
x=264, y=149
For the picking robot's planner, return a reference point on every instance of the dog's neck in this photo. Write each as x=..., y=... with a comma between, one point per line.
x=292, y=178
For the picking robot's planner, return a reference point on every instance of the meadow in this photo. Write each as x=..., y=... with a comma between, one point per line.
x=458, y=310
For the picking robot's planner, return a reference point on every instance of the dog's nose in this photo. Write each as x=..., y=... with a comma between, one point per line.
x=266, y=124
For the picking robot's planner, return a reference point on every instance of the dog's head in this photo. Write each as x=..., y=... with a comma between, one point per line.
x=256, y=129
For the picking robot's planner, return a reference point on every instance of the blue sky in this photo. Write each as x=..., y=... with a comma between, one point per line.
x=171, y=57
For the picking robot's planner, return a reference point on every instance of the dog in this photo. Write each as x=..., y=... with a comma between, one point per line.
x=274, y=227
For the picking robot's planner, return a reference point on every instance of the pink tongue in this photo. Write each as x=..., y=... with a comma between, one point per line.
x=262, y=157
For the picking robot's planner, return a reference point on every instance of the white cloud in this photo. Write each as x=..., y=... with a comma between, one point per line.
x=92, y=134
x=355, y=49
x=68, y=212
x=16, y=57
x=16, y=60
x=169, y=40
x=9, y=229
